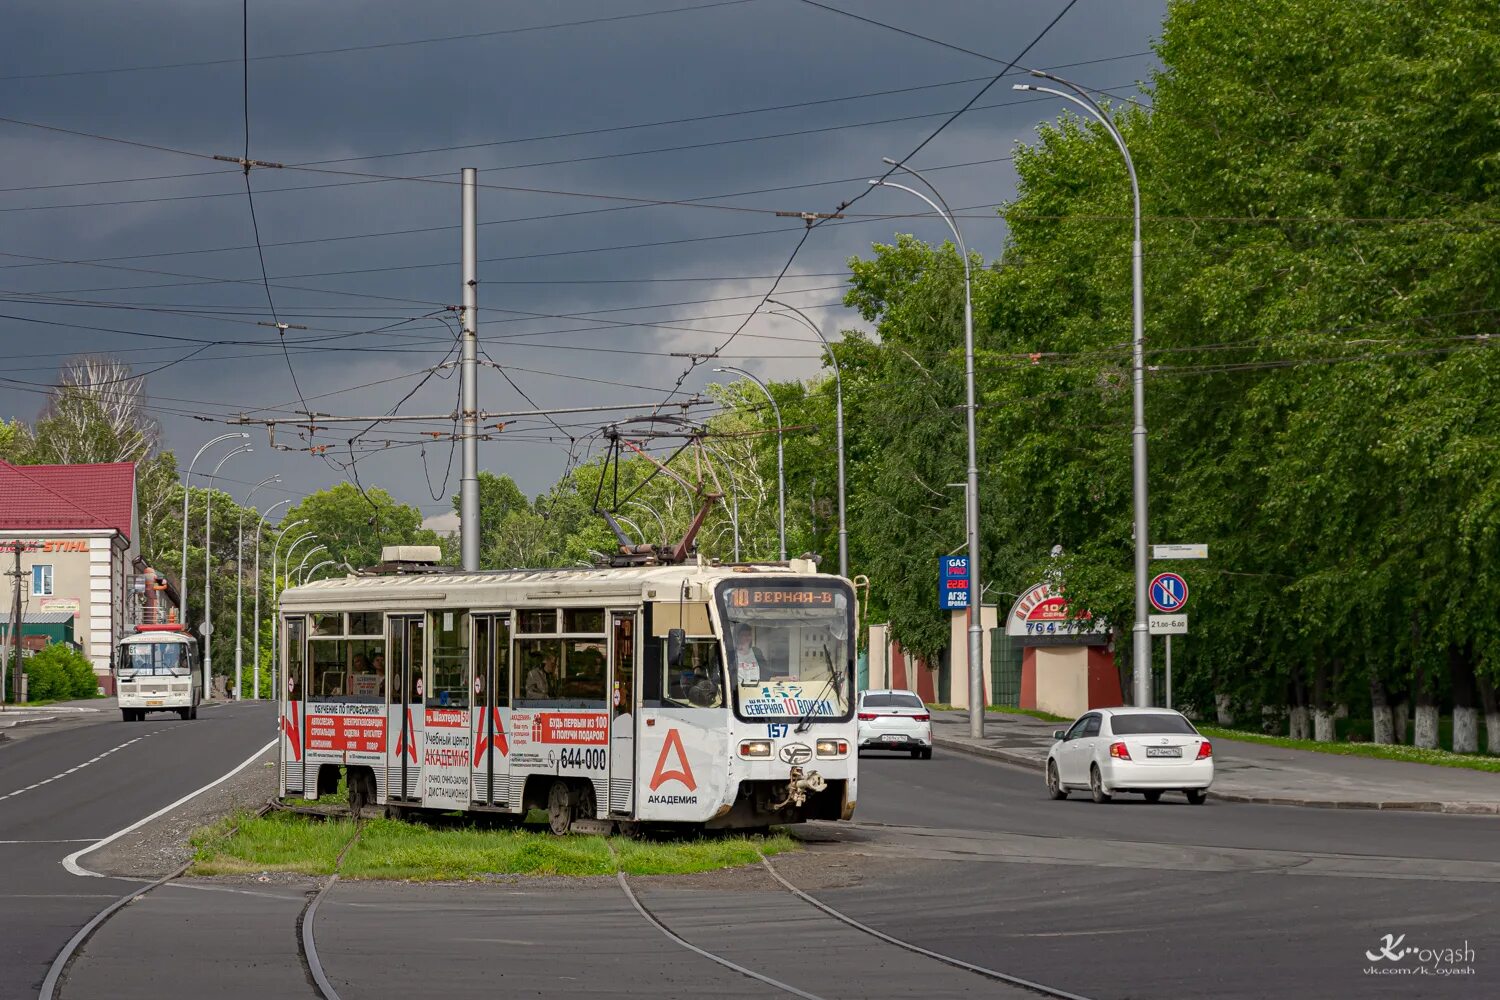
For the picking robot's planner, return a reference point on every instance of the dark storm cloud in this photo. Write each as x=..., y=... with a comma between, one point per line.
x=486, y=92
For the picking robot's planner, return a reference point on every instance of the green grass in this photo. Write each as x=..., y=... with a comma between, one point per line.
x=1035, y=713
x=1382, y=751
x=390, y=849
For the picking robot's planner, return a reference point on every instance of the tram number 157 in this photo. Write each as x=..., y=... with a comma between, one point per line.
x=589, y=760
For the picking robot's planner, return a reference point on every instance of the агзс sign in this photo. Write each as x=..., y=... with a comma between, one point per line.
x=953, y=583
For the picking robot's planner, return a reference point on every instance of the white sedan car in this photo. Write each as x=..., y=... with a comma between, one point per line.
x=894, y=720
x=1144, y=750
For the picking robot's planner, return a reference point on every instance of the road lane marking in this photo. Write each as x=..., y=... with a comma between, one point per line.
x=75, y=840
x=64, y=774
x=71, y=861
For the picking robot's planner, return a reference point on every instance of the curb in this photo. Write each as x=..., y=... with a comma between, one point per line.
x=31, y=722
x=1400, y=805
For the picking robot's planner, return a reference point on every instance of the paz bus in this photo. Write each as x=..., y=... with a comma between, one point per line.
x=156, y=670
x=695, y=693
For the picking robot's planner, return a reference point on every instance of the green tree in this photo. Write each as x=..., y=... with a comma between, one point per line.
x=355, y=524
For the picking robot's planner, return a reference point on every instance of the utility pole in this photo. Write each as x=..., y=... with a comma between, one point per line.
x=468, y=490
x=15, y=625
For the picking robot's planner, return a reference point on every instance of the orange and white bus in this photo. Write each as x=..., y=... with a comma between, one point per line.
x=715, y=695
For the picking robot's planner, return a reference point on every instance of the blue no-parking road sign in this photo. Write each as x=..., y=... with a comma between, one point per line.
x=953, y=582
x=1169, y=592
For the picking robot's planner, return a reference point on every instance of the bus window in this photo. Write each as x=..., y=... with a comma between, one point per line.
x=696, y=682
x=448, y=674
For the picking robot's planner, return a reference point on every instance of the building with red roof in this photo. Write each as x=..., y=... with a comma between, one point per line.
x=77, y=529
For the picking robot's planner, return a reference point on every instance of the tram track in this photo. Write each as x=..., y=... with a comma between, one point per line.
x=992, y=975
x=57, y=973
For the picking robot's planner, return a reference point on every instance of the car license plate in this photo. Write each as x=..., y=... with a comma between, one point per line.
x=1164, y=751
x=894, y=739
x=155, y=701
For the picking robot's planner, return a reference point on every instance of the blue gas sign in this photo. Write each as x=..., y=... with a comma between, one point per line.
x=953, y=582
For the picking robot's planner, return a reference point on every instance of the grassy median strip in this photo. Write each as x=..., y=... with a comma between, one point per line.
x=390, y=849
x=1381, y=751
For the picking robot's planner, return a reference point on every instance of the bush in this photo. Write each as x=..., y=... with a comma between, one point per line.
x=58, y=672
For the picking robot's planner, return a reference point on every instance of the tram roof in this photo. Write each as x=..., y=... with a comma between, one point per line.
x=498, y=587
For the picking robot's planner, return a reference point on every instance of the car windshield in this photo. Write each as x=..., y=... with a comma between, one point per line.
x=168, y=658
x=789, y=649
x=893, y=700
x=1150, y=724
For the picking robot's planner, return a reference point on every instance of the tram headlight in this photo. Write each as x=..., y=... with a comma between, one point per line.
x=755, y=748
x=832, y=748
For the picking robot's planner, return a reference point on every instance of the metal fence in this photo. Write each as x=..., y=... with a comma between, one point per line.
x=1005, y=669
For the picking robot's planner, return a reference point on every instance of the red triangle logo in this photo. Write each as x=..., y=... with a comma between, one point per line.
x=683, y=772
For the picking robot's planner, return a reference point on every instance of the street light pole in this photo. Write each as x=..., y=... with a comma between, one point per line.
x=255, y=654
x=1140, y=630
x=976, y=630
x=312, y=572
x=780, y=455
x=838, y=412
x=275, y=589
x=296, y=574
x=239, y=585
x=182, y=582
x=208, y=561
x=468, y=487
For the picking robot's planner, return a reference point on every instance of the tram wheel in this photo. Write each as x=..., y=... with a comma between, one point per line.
x=585, y=806
x=560, y=808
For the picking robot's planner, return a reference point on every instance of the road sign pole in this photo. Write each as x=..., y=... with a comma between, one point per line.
x=1169, y=671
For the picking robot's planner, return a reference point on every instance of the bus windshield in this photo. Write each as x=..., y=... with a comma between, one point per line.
x=789, y=648
x=165, y=658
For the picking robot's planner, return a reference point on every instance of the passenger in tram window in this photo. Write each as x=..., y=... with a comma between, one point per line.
x=361, y=667
x=379, y=667
x=747, y=659
x=540, y=677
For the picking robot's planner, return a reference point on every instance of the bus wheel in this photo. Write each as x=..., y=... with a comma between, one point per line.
x=185, y=713
x=560, y=808
x=193, y=712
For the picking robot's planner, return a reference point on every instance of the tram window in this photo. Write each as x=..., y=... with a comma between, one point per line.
x=294, y=627
x=327, y=624
x=366, y=623
x=537, y=672
x=697, y=681
x=346, y=669
x=583, y=669
x=448, y=675
x=535, y=620
x=589, y=621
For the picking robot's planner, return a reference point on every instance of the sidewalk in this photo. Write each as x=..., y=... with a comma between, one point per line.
x=1255, y=772
x=14, y=715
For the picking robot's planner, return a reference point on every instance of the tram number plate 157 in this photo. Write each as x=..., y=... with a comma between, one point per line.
x=582, y=757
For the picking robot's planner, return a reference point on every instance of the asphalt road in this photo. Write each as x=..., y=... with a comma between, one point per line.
x=63, y=787
x=963, y=856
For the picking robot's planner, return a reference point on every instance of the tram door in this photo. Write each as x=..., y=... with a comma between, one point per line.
x=491, y=716
x=622, y=714
x=404, y=711
x=293, y=726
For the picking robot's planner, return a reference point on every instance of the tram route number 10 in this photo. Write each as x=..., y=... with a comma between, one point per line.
x=588, y=760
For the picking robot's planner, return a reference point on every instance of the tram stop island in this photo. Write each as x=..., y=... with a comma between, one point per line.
x=1067, y=659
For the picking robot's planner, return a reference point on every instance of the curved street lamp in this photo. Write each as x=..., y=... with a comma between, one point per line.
x=208, y=560
x=306, y=577
x=976, y=633
x=255, y=653
x=838, y=412
x=296, y=574
x=182, y=583
x=1140, y=630
x=275, y=589
x=239, y=585
x=780, y=455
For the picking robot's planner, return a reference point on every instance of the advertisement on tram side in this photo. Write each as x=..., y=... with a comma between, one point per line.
x=445, y=758
x=556, y=741
x=682, y=767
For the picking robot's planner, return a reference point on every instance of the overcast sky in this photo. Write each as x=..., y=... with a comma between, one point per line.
x=577, y=291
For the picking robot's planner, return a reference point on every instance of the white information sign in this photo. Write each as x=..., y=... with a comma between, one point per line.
x=1168, y=624
x=1179, y=552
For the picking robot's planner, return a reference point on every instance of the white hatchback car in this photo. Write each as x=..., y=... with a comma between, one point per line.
x=1144, y=750
x=894, y=720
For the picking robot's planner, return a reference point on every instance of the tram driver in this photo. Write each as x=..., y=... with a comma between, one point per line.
x=747, y=659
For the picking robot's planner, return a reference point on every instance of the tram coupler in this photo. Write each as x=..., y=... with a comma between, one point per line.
x=798, y=787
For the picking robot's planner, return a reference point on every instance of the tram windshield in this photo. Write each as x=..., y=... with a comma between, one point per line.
x=169, y=659
x=789, y=647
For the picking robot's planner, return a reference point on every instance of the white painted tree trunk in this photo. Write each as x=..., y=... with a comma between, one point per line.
x=1341, y=712
x=1298, y=720
x=1465, y=730
x=1426, y=733
x=1492, y=733
x=1385, y=725
x=1270, y=719
x=1324, y=731
x=1401, y=715
x=1221, y=707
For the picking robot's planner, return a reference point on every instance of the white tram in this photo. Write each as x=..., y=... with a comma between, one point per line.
x=156, y=670
x=696, y=693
